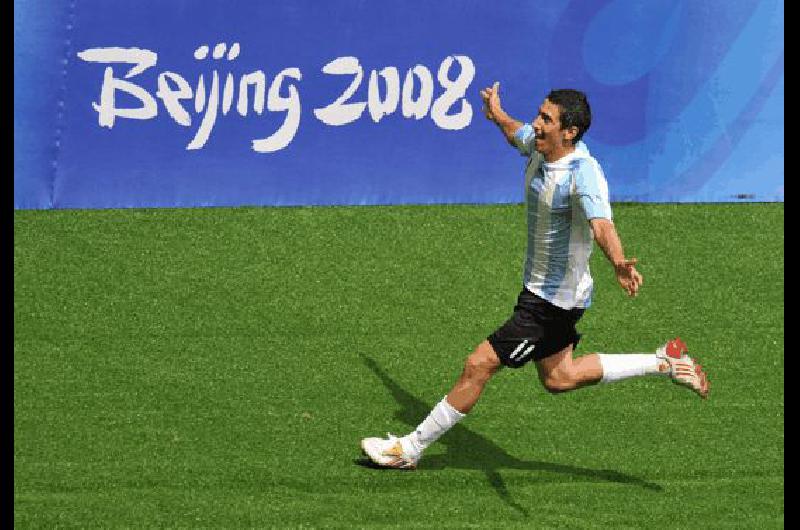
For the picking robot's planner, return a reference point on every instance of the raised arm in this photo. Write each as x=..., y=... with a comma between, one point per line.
x=495, y=113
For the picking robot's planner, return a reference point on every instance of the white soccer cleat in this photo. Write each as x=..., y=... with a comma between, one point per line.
x=683, y=368
x=388, y=452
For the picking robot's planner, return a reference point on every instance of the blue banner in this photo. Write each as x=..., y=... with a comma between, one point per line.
x=300, y=102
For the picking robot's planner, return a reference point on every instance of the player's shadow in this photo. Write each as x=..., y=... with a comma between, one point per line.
x=468, y=450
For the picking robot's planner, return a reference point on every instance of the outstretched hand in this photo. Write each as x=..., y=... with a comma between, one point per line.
x=628, y=277
x=491, y=100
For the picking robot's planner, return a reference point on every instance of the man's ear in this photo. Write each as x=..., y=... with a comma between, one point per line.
x=570, y=133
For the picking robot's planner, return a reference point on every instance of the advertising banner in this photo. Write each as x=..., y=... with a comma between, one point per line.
x=186, y=103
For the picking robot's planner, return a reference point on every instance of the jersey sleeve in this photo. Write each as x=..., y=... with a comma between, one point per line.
x=523, y=139
x=591, y=189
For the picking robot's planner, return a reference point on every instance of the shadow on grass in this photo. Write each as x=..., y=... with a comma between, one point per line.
x=469, y=450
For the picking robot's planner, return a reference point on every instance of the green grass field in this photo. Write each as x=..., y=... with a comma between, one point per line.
x=218, y=367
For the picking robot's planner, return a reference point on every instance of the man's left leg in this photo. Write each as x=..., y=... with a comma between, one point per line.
x=561, y=372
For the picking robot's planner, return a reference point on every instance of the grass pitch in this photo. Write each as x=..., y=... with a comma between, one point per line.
x=218, y=367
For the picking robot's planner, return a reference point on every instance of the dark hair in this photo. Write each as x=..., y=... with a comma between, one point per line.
x=574, y=109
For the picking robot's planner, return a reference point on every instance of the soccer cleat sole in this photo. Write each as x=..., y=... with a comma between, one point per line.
x=688, y=374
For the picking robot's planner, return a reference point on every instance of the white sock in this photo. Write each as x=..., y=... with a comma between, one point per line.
x=441, y=419
x=617, y=367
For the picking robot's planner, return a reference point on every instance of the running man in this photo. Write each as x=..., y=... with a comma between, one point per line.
x=568, y=210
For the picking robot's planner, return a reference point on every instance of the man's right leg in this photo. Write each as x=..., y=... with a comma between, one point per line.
x=405, y=452
x=480, y=366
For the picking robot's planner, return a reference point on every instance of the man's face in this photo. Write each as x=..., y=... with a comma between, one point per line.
x=551, y=140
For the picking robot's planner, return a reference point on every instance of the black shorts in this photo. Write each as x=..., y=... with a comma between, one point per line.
x=536, y=330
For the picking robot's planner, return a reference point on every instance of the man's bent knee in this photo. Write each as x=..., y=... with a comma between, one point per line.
x=559, y=384
x=483, y=362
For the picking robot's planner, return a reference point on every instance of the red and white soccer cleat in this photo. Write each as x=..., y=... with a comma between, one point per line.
x=388, y=452
x=682, y=368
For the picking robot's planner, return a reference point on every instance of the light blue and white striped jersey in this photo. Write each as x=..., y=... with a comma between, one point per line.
x=562, y=197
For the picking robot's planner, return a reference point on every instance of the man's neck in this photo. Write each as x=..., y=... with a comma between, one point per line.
x=558, y=155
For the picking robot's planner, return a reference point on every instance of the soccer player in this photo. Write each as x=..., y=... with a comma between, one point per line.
x=568, y=208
